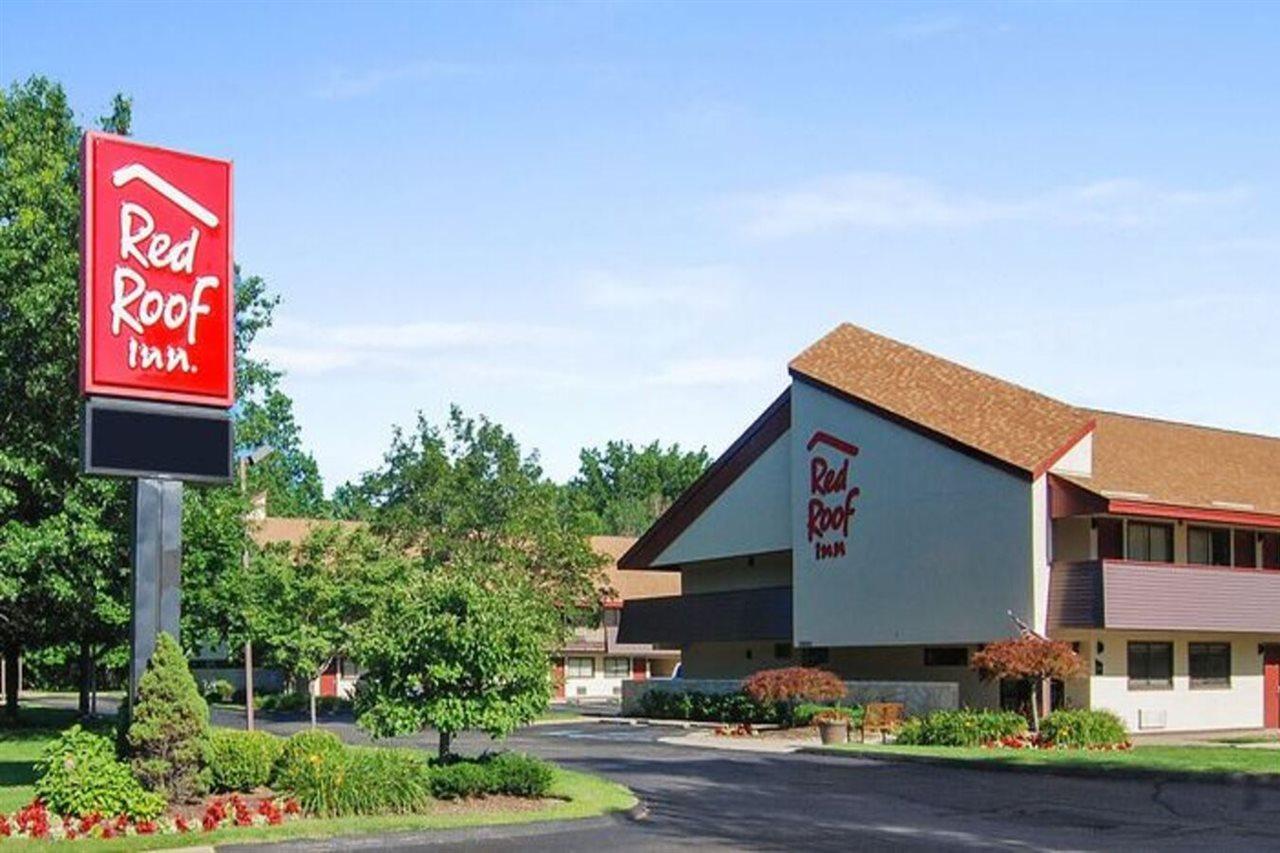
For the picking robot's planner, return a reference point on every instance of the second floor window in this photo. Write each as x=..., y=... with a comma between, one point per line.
x=1152, y=543
x=1209, y=546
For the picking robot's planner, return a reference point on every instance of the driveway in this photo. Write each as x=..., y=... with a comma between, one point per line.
x=747, y=801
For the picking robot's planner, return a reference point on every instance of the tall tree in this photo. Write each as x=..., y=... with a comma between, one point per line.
x=466, y=494
x=64, y=539
x=622, y=490
x=61, y=536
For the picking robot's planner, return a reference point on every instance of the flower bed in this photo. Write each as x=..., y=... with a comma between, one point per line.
x=35, y=821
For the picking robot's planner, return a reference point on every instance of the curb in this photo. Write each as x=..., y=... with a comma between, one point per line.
x=1251, y=780
x=674, y=724
x=637, y=813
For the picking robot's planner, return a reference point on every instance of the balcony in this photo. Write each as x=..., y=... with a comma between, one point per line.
x=1129, y=595
x=735, y=616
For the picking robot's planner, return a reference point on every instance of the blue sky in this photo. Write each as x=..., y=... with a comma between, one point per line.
x=621, y=220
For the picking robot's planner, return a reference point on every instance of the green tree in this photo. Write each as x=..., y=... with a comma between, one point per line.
x=299, y=604
x=621, y=490
x=169, y=725
x=455, y=649
x=61, y=536
x=468, y=495
x=64, y=538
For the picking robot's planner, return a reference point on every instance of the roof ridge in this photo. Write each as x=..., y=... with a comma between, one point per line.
x=1188, y=424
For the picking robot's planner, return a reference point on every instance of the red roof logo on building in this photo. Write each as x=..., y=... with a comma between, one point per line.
x=831, y=496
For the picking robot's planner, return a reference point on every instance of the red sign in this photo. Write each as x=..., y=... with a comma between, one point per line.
x=157, y=306
x=831, y=497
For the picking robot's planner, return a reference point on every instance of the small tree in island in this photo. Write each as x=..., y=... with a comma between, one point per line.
x=1031, y=660
x=453, y=650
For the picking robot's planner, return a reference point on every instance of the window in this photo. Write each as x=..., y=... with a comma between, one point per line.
x=1151, y=543
x=1150, y=666
x=617, y=667
x=814, y=655
x=1209, y=546
x=954, y=656
x=1210, y=665
x=580, y=668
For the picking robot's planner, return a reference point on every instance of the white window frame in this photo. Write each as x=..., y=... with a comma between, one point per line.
x=626, y=667
x=569, y=667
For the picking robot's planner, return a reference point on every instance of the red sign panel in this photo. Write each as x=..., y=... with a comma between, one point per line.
x=831, y=495
x=157, y=306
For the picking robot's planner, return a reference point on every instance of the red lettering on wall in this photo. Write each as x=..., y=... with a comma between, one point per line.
x=831, y=498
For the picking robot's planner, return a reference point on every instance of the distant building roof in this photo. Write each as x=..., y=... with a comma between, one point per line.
x=630, y=584
x=270, y=530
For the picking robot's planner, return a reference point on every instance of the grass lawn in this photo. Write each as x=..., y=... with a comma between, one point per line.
x=577, y=795
x=1185, y=759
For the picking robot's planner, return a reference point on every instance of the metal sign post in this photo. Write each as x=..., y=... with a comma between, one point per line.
x=157, y=569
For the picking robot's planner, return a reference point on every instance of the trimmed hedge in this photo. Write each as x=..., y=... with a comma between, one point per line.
x=706, y=707
x=333, y=780
x=966, y=727
x=1083, y=729
x=242, y=761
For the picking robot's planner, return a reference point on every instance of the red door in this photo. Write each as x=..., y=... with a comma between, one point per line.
x=639, y=669
x=1271, y=688
x=329, y=680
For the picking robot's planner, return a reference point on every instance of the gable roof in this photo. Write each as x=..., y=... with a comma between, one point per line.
x=1002, y=422
x=1140, y=460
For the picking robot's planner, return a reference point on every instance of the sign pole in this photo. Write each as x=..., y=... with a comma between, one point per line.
x=157, y=569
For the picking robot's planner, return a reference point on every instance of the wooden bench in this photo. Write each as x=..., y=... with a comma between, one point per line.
x=882, y=718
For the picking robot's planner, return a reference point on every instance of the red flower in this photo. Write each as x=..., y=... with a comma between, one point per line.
x=180, y=824
x=291, y=806
x=145, y=827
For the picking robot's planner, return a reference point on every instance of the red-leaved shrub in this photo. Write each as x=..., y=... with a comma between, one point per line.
x=794, y=684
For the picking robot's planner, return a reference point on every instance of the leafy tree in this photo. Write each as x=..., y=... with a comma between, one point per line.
x=467, y=495
x=300, y=604
x=64, y=539
x=61, y=536
x=622, y=490
x=1031, y=660
x=169, y=725
x=455, y=649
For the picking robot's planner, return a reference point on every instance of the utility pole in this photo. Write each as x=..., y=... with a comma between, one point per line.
x=253, y=457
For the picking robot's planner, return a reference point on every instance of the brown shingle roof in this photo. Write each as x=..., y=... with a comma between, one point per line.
x=1145, y=459
x=632, y=584
x=269, y=530
x=1000, y=420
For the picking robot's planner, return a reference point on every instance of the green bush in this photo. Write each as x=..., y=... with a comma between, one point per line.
x=519, y=775
x=1083, y=729
x=966, y=727
x=218, y=690
x=705, y=707
x=169, y=726
x=284, y=702
x=331, y=779
x=459, y=780
x=382, y=781
x=79, y=774
x=242, y=761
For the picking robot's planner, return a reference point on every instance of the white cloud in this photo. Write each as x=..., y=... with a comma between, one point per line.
x=715, y=371
x=314, y=348
x=874, y=200
x=701, y=288
x=344, y=84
